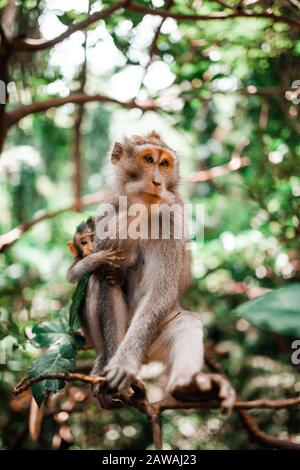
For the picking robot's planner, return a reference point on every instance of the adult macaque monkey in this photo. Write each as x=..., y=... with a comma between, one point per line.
x=153, y=325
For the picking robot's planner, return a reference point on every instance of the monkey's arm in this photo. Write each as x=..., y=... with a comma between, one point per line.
x=90, y=263
x=160, y=284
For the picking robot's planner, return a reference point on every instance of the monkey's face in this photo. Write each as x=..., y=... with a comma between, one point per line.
x=85, y=244
x=151, y=174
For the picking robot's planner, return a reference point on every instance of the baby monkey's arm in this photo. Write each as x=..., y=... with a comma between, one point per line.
x=82, y=266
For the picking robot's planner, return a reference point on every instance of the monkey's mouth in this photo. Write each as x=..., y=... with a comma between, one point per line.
x=152, y=195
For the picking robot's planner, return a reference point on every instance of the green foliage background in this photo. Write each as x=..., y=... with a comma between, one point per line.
x=252, y=222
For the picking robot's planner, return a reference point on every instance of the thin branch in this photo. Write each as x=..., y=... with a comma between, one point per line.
x=156, y=430
x=215, y=172
x=257, y=435
x=77, y=98
x=77, y=153
x=134, y=6
x=153, y=45
x=236, y=162
x=77, y=150
x=29, y=44
x=167, y=403
x=7, y=239
x=263, y=403
x=26, y=382
x=22, y=111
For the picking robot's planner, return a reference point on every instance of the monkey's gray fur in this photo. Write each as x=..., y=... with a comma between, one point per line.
x=145, y=326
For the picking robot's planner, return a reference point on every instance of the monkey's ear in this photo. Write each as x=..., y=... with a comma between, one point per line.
x=72, y=249
x=116, y=153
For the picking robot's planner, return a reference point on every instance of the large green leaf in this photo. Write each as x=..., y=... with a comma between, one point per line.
x=277, y=311
x=60, y=357
x=48, y=332
x=62, y=342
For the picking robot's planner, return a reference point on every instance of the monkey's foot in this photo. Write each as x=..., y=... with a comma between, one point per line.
x=108, y=401
x=211, y=387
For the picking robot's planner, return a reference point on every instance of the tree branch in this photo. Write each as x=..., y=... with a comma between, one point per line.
x=7, y=239
x=26, y=382
x=257, y=435
x=77, y=98
x=153, y=45
x=161, y=405
x=77, y=150
x=29, y=44
x=134, y=6
x=236, y=162
x=138, y=399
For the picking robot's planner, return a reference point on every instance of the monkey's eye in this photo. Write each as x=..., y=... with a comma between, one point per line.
x=148, y=158
x=83, y=242
x=164, y=163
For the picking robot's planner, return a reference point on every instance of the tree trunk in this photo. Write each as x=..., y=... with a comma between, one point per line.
x=5, y=54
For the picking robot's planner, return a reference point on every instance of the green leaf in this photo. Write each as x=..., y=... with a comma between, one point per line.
x=277, y=311
x=77, y=301
x=49, y=332
x=60, y=357
x=62, y=342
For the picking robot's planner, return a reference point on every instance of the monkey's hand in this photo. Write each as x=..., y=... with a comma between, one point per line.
x=120, y=371
x=114, y=257
x=114, y=277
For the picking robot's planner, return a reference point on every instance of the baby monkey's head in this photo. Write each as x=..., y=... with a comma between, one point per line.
x=82, y=244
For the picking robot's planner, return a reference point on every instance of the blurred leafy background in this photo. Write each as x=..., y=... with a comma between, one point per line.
x=223, y=97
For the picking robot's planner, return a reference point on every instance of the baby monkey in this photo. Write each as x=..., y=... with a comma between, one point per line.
x=107, y=263
x=86, y=261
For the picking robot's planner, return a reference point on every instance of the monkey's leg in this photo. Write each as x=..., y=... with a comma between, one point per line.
x=112, y=312
x=184, y=335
